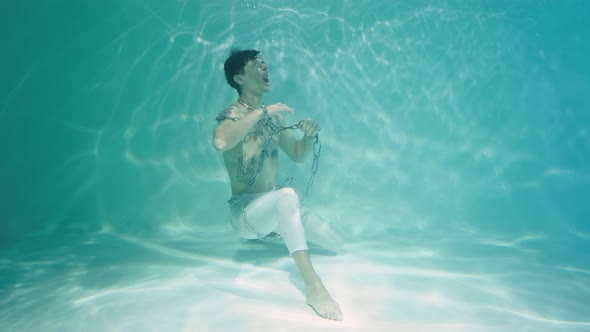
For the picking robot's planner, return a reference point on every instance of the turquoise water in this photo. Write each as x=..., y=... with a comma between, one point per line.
x=455, y=157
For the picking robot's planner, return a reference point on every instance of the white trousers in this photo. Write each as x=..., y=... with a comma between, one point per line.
x=254, y=216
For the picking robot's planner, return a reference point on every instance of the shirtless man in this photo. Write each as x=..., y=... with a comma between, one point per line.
x=250, y=134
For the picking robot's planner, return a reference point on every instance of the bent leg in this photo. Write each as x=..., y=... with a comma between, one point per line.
x=276, y=211
x=290, y=226
x=280, y=210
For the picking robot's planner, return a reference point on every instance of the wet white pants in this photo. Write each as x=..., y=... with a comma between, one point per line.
x=255, y=216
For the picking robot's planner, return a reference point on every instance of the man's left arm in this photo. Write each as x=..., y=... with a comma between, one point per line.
x=299, y=149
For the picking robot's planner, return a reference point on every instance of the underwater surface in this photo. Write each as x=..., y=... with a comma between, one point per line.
x=455, y=161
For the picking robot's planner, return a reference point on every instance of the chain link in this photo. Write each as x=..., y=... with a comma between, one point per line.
x=295, y=126
x=317, y=149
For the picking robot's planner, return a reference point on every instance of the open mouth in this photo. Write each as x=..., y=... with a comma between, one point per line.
x=265, y=79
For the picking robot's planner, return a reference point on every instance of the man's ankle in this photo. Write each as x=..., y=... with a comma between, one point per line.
x=314, y=283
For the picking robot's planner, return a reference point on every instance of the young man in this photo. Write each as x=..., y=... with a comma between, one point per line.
x=249, y=134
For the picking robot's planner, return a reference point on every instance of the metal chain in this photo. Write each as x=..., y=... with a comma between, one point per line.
x=274, y=129
x=317, y=147
x=252, y=180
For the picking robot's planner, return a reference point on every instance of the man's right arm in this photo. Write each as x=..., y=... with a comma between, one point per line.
x=231, y=130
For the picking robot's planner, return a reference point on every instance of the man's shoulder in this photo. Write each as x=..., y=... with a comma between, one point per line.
x=231, y=112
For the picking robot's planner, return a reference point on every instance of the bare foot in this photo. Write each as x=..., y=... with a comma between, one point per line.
x=320, y=300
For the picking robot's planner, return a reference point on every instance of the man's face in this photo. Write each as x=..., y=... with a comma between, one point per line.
x=255, y=75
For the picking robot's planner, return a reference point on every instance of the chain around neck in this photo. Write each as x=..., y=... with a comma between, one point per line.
x=250, y=109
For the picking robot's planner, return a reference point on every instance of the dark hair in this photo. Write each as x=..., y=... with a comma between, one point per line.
x=235, y=63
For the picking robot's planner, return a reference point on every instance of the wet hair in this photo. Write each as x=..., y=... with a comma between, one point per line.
x=235, y=63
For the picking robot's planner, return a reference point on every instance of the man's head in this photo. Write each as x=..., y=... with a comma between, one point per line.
x=246, y=67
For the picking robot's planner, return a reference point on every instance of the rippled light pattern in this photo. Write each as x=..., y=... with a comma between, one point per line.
x=455, y=160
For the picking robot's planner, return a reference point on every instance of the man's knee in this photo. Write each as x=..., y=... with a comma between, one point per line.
x=288, y=192
x=289, y=197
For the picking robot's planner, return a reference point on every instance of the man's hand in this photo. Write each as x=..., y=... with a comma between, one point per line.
x=310, y=128
x=278, y=108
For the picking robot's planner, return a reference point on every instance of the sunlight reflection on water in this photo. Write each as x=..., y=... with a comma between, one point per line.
x=448, y=162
